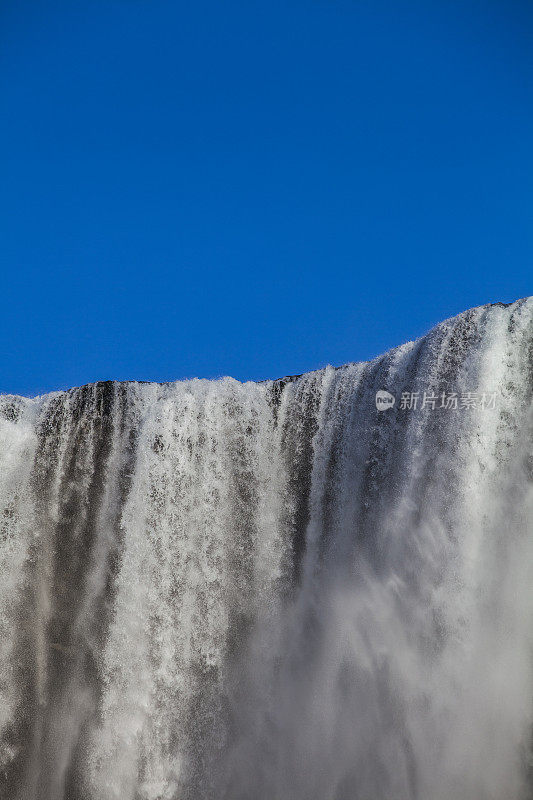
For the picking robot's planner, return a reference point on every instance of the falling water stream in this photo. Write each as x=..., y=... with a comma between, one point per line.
x=212, y=590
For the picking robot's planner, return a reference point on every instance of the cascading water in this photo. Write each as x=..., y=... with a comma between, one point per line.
x=275, y=591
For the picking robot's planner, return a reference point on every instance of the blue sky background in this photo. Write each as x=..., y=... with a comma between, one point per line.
x=254, y=188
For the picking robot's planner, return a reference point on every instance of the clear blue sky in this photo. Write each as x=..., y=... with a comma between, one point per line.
x=255, y=188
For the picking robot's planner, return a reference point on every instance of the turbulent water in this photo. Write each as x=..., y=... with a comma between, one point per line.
x=275, y=591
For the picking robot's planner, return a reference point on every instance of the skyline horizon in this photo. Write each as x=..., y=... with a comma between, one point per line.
x=247, y=190
x=280, y=378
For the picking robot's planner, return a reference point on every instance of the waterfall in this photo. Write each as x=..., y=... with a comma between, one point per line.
x=276, y=590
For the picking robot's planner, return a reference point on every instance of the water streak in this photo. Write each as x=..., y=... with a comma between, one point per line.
x=275, y=591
